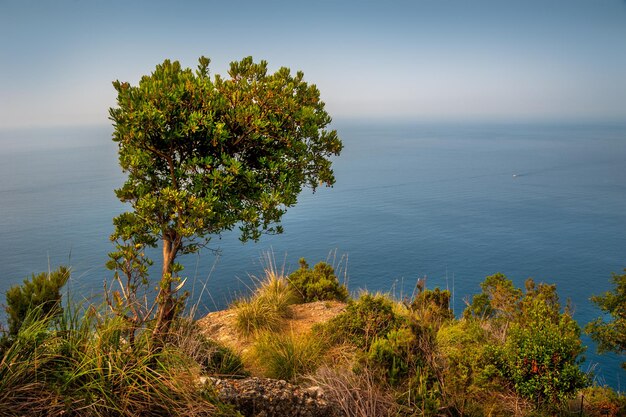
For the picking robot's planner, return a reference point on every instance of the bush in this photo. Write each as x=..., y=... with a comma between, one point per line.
x=422, y=395
x=432, y=306
x=540, y=356
x=220, y=360
x=317, y=284
x=396, y=354
x=369, y=318
x=287, y=355
x=462, y=345
x=275, y=291
x=42, y=291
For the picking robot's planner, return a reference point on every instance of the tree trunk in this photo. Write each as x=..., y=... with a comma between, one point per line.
x=165, y=309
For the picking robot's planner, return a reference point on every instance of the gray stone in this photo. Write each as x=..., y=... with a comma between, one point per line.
x=263, y=397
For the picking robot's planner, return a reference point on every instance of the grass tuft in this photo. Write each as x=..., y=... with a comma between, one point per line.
x=288, y=355
x=268, y=305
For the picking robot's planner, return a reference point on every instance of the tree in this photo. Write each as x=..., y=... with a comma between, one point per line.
x=611, y=335
x=499, y=302
x=205, y=154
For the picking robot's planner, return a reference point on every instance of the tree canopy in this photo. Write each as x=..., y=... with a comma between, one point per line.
x=611, y=335
x=206, y=154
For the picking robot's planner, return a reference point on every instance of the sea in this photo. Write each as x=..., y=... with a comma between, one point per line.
x=448, y=202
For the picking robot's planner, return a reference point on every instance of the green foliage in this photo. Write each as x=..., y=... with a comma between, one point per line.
x=286, y=355
x=317, y=284
x=611, y=335
x=463, y=345
x=422, y=394
x=541, y=354
x=397, y=354
x=369, y=318
x=41, y=294
x=499, y=299
x=205, y=154
x=82, y=365
x=432, y=306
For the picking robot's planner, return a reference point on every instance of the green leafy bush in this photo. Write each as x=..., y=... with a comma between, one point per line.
x=432, y=306
x=317, y=284
x=396, y=354
x=369, y=318
x=499, y=299
x=42, y=291
x=541, y=354
x=463, y=344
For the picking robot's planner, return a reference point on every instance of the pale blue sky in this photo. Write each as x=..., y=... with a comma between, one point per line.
x=415, y=60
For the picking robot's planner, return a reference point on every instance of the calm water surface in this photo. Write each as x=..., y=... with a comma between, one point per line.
x=454, y=203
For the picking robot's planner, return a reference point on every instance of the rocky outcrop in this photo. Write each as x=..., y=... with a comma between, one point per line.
x=262, y=397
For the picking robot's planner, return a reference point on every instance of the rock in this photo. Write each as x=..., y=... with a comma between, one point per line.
x=263, y=397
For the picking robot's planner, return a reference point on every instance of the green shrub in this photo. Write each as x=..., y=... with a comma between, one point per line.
x=287, y=355
x=317, y=284
x=422, y=394
x=42, y=291
x=396, y=354
x=610, y=335
x=462, y=345
x=432, y=306
x=369, y=318
x=541, y=354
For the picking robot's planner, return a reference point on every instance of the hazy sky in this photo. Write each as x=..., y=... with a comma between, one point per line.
x=428, y=59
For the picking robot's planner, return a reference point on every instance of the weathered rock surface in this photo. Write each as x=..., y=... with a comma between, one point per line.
x=263, y=397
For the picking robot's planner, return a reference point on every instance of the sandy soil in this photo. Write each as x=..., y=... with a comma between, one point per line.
x=220, y=325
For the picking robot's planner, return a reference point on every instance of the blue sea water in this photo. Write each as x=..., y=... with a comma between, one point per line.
x=450, y=202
